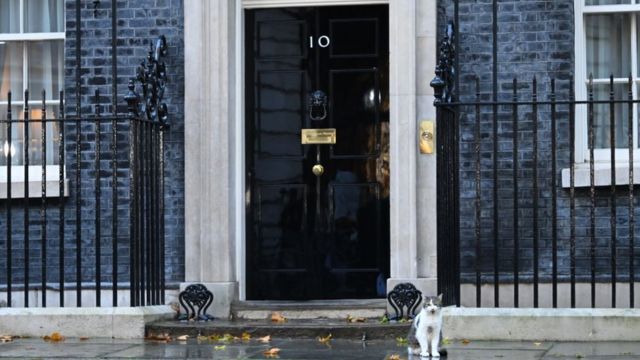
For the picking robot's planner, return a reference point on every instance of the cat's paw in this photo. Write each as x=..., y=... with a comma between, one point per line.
x=424, y=354
x=435, y=354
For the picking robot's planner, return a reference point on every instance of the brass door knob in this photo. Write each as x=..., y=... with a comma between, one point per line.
x=317, y=170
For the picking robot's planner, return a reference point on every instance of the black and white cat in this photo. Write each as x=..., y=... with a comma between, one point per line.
x=425, y=336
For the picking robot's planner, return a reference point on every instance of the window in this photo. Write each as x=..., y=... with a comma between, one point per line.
x=31, y=58
x=607, y=35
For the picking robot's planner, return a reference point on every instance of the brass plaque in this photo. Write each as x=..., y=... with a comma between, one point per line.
x=318, y=136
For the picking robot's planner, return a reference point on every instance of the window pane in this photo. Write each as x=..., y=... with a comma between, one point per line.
x=601, y=123
x=44, y=15
x=9, y=16
x=45, y=60
x=35, y=137
x=608, y=45
x=607, y=2
x=11, y=70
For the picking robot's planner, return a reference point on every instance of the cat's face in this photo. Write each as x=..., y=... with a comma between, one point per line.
x=432, y=304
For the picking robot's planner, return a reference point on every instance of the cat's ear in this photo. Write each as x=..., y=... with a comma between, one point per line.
x=440, y=299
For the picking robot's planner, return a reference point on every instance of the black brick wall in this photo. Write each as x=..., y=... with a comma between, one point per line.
x=535, y=38
x=140, y=22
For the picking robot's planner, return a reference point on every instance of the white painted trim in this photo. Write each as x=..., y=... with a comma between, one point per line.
x=581, y=80
x=52, y=183
x=609, y=9
x=239, y=161
x=602, y=174
x=32, y=36
x=257, y=4
x=201, y=200
x=580, y=51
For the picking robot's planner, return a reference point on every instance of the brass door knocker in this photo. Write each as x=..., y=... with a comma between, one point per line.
x=317, y=105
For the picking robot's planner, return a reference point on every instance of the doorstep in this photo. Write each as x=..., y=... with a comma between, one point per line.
x=311, y=309
x=370, y=329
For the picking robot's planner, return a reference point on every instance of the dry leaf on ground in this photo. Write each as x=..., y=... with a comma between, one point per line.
x=219, y=347
x=265, y=339
x=6, y=338
x=402, y=340
x=84, y=338
x=394, y=357
x=246, y=336
x=278, y=317
x=537, y=343
x=227, y=338
x=182, y=338
x=446, y=341
x=55, y=336
x=271, y=353
x=324, y=339
x=159, y=337
x=352, y=319
x=466, y=341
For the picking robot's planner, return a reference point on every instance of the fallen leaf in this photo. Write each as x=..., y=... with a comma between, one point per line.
x=160, y=337
x=219, y=347
x=466, y=341
x=6, y=338
x=84, y=338
x=384, y=319
x=403, y=320
x=213, y=337
x=402, y=340
x=265, y=339
x=246, y=336
x=271, y=353
x=226, y=338
x=202, y=338
x=55, y=337
x=351, y=319
x=537, y=343
x=278, y=317
x=182, y=338
x=325, y=339
x=446, y=341
x=394, y=357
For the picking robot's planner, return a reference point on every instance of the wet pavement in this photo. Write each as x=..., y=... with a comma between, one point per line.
x=306, y=349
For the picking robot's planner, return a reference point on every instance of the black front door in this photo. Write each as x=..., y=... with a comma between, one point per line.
x=320, y=234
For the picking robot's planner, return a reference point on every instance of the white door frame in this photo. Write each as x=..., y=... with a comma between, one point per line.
x=215, y=191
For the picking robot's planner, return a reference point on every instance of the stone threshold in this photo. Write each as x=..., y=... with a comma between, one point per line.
x=312, y=309
x=295, y=328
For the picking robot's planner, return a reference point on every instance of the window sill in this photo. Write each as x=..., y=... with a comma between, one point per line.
x=52, y=184
x=602, y=175
x=35, y=189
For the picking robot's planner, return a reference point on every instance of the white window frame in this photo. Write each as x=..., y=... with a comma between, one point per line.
x=35, y=171
x=582, y=79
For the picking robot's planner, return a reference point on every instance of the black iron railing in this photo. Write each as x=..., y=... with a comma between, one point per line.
x=99, y=223
x=525, y=222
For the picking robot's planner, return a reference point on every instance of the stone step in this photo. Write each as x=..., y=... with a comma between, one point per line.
x=295, y=328
x=314, y=309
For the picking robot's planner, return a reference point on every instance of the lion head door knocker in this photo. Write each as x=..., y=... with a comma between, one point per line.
x=317, y=105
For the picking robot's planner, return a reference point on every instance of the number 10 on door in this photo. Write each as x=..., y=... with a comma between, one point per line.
x=323, y=41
